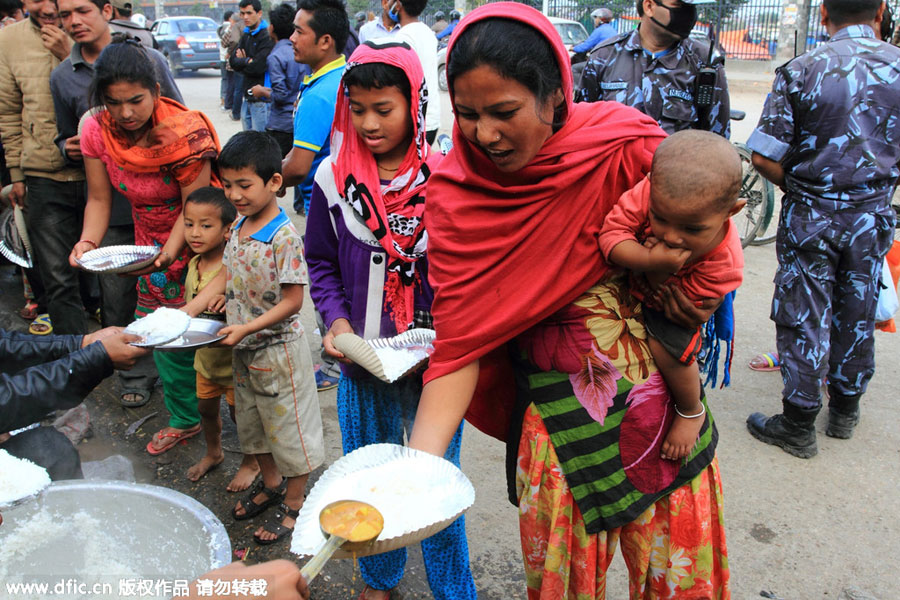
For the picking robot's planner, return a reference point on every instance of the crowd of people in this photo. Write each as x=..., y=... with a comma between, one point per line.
x=564, y=252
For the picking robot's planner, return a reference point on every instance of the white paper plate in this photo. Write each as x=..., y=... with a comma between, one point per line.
x=417, y=493
x=388, y=359
x=201, y=332
x=117, y=259
x=159, y=327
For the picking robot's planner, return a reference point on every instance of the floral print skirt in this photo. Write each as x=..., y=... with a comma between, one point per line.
x=675, y=549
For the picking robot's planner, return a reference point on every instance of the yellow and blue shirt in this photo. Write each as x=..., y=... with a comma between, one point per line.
x=314, y=115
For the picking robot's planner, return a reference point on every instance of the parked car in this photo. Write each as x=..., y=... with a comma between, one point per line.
x=188, y=42
x=572, y=33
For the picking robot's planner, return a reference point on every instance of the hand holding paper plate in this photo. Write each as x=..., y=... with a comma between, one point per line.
x=388, y=359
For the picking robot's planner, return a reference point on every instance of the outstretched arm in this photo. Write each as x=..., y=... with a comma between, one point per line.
x=33, y=392
x=442, y=407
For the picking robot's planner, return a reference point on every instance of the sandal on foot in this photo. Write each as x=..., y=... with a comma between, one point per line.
x=41, y=325
x=325, y=382
x=362, y=594
x=143, y=393
x=251, y=508
x=174, y=436
x=273, y=525
x=29, y=312
x=767, y=361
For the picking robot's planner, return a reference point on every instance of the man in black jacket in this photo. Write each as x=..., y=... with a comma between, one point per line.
x=40, y=374
x=250, y=61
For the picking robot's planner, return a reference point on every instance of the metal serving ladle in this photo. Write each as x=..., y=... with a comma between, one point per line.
x=347, y=523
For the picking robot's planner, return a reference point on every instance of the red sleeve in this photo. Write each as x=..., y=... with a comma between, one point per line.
x=719, y=272
x=627, y=219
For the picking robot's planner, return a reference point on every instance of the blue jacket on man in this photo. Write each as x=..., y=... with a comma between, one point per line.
x=604, y=31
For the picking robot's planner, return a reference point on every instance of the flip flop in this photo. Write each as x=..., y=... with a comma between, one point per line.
x=325, y=382
x=29, y=312
x=175, y=437
x=362, y=594
x=767, y=361
x=41, y=325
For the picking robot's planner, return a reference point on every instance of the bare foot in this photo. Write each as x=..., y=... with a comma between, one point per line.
x=681, y=438
x=263, y=535
x=245, y=476
x=206, y=464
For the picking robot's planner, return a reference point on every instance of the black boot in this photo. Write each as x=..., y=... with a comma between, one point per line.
x=843, y=415
x=793, y=431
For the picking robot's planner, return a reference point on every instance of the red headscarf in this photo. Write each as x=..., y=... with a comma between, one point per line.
x=507, y=250
x=393, y=214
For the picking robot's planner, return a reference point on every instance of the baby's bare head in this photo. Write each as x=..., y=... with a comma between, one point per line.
x=697, y=167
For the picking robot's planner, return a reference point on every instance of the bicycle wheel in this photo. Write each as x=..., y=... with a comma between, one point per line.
x=759, y=203
x=769, y=229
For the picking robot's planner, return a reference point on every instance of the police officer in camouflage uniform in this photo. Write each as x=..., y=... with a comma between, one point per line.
x=654, y=69
x=829, y=136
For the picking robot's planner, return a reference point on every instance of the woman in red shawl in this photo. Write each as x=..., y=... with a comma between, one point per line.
x=155, y=152
x=530, y=349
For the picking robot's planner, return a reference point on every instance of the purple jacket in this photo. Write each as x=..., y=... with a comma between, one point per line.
x=347, y=266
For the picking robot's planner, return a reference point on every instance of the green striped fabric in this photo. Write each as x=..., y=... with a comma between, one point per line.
x=589, y=452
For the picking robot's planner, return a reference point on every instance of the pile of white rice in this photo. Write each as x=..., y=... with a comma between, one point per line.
x=160, y=326
x=19, y=478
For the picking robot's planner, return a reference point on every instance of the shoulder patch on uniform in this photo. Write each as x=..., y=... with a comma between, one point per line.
x=613, y=85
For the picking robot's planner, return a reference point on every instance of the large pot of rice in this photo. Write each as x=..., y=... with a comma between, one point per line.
x=108, y=539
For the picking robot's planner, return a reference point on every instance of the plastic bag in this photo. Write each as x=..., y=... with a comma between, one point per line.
x=893, y=260
x=887, y=295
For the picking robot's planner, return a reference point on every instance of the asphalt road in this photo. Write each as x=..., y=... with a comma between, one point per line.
x=797, y=529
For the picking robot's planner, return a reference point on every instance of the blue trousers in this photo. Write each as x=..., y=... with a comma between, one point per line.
x=370, y=412
x=237, y=97
x=826, y=289
x=255, y=115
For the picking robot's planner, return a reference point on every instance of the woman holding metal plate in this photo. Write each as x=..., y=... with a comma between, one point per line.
x=155, y=152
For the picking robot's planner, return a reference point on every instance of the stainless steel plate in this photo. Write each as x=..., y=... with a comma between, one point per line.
x=201, y=332
x=118, y=259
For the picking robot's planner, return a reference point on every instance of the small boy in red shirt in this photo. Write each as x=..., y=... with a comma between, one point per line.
x=674, y=229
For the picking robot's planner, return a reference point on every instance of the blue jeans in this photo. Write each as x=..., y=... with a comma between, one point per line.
x=237, y=97
x=255, y=115
x=228, y=93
